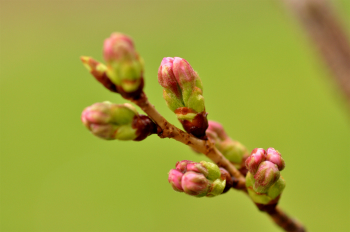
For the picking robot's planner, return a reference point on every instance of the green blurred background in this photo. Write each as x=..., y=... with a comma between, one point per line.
x=262, y=81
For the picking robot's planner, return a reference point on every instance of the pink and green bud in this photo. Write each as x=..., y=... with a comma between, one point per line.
x=216, y=131
x=113, y=121
x=195, y=184
x=271, y=196
x=197, y=179
x=174, y=179
x=124, y=65
x=266, y=176
x=233, y=150
x=257, y=156
x=183, y=93
x=263, y=181
x=275, y=157
x=99, y=71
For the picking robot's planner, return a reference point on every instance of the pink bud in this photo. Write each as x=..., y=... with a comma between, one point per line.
x=166, y=77
x=118, y=47
x=195, y=184
x=174, y=179
x=197, y=167
x=182, y=165
x=218, y=129
x=257, y=156
x=98, y=113
x=266, y=176
x=275, y=157
x=183, y=71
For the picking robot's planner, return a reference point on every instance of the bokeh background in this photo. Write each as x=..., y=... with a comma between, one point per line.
x=262, y=80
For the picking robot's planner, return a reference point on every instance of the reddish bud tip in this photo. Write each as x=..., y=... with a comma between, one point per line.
x=217, y=129
x=174, y=179
x=257, y=156
x=275, y=157
x=182, y=165
x=183, y=71
x=166, y=77
x=117, y=47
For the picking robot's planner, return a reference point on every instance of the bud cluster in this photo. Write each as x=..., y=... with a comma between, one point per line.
x=198, y=179
x=183, y=93
x=233, y=150
x=263, y=181
x=117, y=121
x=124, y=70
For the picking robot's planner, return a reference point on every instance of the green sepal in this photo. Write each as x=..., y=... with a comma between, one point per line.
x=123, y=114
x=171, y=100
x=125, y=132
x=277, y=188
x=196, y=100
x=218, y=187
x=213, y=170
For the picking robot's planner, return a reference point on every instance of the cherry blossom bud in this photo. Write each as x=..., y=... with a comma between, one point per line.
x=216, y=131
x=174, y=179
x=266, y=176
x=197, y=179
x=275, y=157
x=257, y=156
x=112, y=121
x=263, y=181
x=183, y=93
x=125, y=66
x=195, y=184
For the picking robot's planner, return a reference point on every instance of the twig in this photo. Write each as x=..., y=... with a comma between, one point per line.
x=209, y=149
x=281, y=218
x=324, y=28
x=203, y=146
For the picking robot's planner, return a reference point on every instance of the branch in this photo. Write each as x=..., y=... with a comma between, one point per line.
x=203, y=146
x=209, y=149
x=323, y=26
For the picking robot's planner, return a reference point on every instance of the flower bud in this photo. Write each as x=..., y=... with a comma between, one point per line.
x=257, y=156
x=195, y=184
x=197, y=179
x=174, y=179
x=112, y=121
x=216, y=131
x=99, y=71
x=183, y=93
x=125, y=66
x=266, y=176
x=275, y=157
x=263, y=181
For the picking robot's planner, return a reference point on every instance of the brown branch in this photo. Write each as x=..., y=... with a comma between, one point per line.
x=281, y=218
x=209, y=149
x=323, y=26
x=203, y=146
